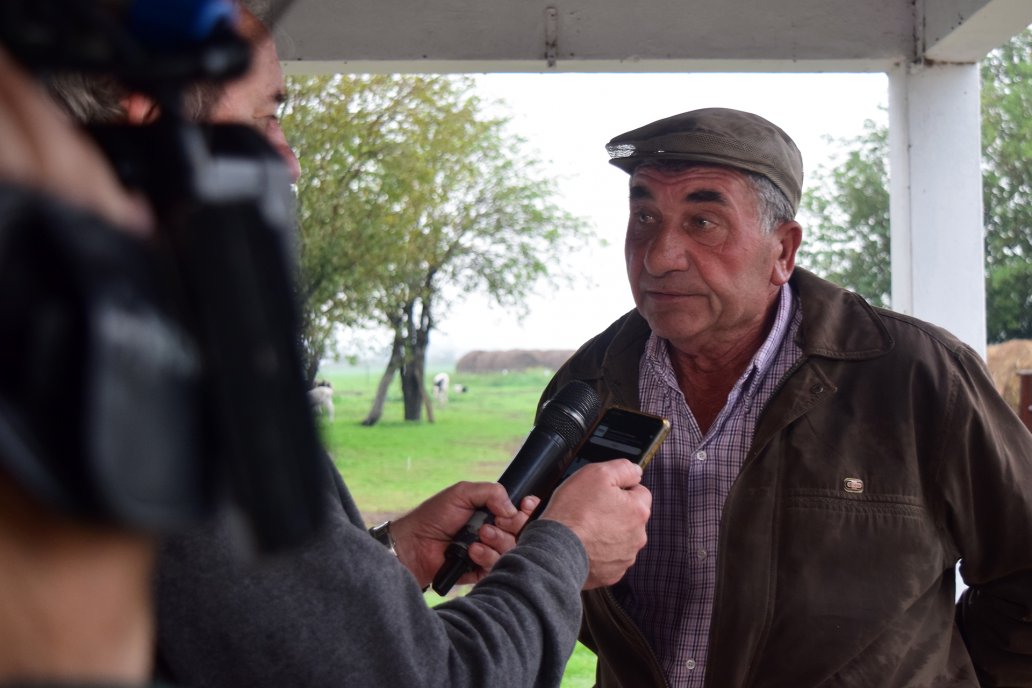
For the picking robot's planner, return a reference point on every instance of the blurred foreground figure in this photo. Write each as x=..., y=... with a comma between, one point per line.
x=75, y=596
x=348, y=608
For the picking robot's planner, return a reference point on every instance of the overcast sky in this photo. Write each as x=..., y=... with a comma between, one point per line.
x=568, y=118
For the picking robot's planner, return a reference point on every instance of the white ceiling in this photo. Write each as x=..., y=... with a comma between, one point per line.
x=642, y=35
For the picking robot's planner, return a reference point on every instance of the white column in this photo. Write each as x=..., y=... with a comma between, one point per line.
x=938, y=262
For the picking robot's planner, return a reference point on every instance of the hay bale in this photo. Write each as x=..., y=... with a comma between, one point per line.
x=512, y=360
x=1004, y=361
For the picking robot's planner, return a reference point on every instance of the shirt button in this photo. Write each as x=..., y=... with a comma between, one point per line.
x=700, y=455
x=690, y=664
x=702, y=554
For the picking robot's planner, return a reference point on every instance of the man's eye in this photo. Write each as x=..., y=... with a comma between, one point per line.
x=706, y=231
x=644, y=217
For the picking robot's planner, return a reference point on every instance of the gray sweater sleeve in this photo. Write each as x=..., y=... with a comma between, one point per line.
x=344, y=612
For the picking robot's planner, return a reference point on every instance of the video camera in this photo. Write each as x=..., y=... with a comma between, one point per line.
x=147, y=383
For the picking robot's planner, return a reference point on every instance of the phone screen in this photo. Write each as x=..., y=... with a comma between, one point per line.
x=622, y=434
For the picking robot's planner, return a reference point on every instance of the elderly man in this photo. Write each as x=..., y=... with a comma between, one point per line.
x=348, y=608
x=829, y=462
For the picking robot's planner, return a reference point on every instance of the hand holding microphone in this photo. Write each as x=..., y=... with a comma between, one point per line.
x=422, y=535
x=535, y=470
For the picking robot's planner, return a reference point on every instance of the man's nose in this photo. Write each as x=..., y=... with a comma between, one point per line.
x=293, y=166
x=666, y=252
x=282, y=146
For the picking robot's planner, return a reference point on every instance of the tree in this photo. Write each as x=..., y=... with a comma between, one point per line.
x=412, y=198
x=332, y=124
x=1007, y=183
x=1007, y=150
x=1009, y=291
x=848, y=205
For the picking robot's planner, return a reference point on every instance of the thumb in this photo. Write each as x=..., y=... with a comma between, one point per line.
x=491, y=496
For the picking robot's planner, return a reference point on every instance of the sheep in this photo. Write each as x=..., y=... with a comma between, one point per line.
x=321, y=399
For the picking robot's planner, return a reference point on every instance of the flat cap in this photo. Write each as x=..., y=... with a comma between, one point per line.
x=719, y=136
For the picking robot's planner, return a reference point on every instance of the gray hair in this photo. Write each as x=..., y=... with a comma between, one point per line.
x=772, y=204
x=98, y=98
x=88, y=98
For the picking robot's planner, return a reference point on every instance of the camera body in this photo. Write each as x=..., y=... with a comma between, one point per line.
x=174, y=360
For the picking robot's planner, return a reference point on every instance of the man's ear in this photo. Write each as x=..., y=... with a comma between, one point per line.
x=139, y=109
x=789, y=236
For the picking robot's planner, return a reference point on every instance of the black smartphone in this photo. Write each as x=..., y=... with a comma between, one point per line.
x=621, y=434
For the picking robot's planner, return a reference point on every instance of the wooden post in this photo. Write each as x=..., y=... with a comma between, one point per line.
x=1025, y=398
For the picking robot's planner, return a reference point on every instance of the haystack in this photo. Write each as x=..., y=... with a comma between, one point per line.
x=1005, y=360
x=513, y=360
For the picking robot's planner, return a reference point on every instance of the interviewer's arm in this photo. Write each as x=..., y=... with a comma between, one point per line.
x=344, y=611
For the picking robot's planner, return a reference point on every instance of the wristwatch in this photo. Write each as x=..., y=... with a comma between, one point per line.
x=382, y=534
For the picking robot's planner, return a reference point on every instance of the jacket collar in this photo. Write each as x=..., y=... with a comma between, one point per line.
x=836, y=324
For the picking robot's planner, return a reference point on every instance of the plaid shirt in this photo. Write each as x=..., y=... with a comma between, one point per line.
x=669, y=590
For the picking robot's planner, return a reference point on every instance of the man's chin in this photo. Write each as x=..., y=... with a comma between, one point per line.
x=673, y=325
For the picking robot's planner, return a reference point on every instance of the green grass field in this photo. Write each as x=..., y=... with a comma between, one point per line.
x=394, y=465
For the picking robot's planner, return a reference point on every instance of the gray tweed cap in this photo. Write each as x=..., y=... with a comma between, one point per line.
x=720, y=136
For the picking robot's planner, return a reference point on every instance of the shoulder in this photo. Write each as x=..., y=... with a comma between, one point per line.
x=840, y=324
x=913, y=332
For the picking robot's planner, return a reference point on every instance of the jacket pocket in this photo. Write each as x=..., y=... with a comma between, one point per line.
x=859, y=587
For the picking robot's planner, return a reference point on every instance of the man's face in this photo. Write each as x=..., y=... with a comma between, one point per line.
x=255, y=100
x=701, y=267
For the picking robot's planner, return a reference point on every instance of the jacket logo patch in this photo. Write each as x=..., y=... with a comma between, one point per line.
x=855, y=485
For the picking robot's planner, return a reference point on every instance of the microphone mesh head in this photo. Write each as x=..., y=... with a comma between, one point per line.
x=571, y=412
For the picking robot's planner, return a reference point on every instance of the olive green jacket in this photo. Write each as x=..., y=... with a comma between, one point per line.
x=820, y=585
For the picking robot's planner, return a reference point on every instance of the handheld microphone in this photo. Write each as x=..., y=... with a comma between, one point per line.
x=535, y=470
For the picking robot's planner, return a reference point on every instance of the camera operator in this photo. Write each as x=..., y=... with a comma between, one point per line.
x=74, y=596
x=342, y=609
